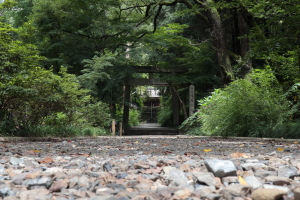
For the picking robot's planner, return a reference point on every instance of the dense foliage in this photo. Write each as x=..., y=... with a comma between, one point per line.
x=32, y=96
x=64, y=63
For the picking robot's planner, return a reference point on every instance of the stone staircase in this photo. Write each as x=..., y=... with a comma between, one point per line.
x=150, y=129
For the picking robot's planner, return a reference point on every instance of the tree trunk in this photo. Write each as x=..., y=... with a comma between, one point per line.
x=219, y=41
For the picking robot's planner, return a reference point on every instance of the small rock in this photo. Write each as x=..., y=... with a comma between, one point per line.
x=3, y=161
x=285, y=189
x=16, y=161
x=296, y=192
x=122, y=175
x=272, y=179
x=182, y=194
x=204, y=191
x=57, y=186
x=104, y=197
x=39, y=193
x=230, y=180
x=73, y=181
x=141, y=165
x=107, y=166
x=2, y=169
x=267, y=194
x=253, y=181
x=253, y=166
x=44, y=182
x=221, y=168
x=176, y=176
x=264, y=173
x=236, y=191
x=287, y=171
x=6, y=191
x=205, y=178
x=83, y=182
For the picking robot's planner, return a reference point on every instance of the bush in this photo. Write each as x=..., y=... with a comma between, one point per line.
x=244, y=107
x=165, y=116
x=95, y=114
x=35, y=101
x=134, y=117
x=192, y=125
x=286, y=130
x=51, y=131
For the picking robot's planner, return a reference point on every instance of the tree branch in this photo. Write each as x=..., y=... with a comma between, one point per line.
x=156, y=17
x=91, y=37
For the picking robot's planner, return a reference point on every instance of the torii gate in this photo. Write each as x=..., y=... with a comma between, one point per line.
x=153, y=82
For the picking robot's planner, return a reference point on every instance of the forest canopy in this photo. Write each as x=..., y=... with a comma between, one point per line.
x=62, y=60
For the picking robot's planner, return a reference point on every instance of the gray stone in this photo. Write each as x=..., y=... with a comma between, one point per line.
x=193, y=163
x=236, y=191
x=6, y=191
x=264, y=173
x=93, y=174
x=78, y=162
x=268, y=186
x=44, y=182
x=221, y=168
x=253, y=166
x=175, y=176
x=205, y=178
x=3, y=161
x=107, y=166
x=2, y=169
x=19, y=178
x=115, y=186
x=123, y=198
x=287, y=171
x=53, y=171
x=253, y=181
x=230, y=180
x=83, y=181
x=35, y=194
x=16, y=161
x=94, y=167
x=272, y=179
x=122, y=175
x=103, y=197
x=205, y=191
x=73, y=181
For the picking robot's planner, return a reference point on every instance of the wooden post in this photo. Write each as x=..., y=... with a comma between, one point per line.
x=191, y=100
x=113, y=127
x=120, y=128
x=175, y=107
x=126, y=105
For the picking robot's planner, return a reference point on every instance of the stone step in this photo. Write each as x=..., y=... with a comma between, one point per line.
x=151, y=131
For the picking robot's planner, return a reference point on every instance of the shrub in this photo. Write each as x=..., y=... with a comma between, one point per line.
x=94, y=114
x=286, y=130
x=35, y=101
x=134, y=117
x=165, y=116
x=244, y=107
x=192, y=125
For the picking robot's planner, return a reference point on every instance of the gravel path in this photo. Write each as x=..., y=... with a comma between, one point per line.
x=150, y=167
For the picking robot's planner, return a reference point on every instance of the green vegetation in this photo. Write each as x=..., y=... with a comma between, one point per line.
x=37, y=102
x=63, y=65
x=251, y=107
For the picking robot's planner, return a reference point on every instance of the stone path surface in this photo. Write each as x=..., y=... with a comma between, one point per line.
x=150, y=168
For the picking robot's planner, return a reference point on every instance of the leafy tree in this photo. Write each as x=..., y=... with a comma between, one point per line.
x=29, y=94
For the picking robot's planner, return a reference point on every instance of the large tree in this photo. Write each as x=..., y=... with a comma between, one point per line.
x=217, y=18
